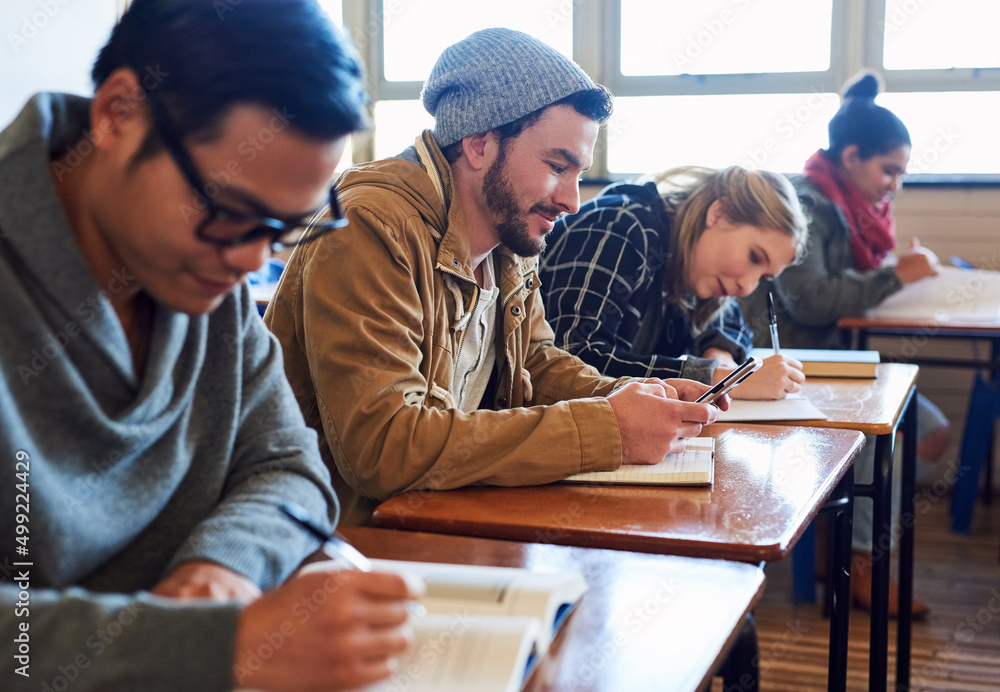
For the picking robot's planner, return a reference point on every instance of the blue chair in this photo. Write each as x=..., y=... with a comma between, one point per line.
x=984, y=408
x=264, y=281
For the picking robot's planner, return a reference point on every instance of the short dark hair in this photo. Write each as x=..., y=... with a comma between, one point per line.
x=595, y=104
x=203, y=58
x=873, y=129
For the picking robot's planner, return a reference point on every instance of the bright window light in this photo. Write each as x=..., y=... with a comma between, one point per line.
x=417, y=31
x=947, y=130
x=778, y=132
x=921, y=35
x=673, y=37
x=397, y=125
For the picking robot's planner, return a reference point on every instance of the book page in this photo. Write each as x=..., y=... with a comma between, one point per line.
x=506, y=591
x=961, y=294
x=461, y=652
x=793, y=407
x=694, y=466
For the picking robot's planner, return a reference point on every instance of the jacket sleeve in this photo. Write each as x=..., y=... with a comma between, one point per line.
x=823, y=288
x=599, y=277
x=275, y=458
x=97, y=641
x=388, y=428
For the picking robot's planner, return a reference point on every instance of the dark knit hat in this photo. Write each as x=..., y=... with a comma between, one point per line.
x=494, y=77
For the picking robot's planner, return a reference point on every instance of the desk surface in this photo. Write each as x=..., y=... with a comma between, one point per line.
x=770, y=480
x=646, y=622
x=930, y=326
x=869, y=406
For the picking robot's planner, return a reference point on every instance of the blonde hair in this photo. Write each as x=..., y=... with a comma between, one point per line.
x=756, y=198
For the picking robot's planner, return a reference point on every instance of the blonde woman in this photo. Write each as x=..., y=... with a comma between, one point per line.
x=639, y=282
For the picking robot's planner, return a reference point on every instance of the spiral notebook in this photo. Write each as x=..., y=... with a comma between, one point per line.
x=694, y=466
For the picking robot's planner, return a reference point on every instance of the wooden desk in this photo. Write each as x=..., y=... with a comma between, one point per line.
x=662, y=623
x=880, y=407
x=770, y=482
x=984, y=402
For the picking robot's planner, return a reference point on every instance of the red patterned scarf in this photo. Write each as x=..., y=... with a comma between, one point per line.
x=873, y=230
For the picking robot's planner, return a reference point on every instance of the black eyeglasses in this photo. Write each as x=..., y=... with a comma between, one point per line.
x=227, y=227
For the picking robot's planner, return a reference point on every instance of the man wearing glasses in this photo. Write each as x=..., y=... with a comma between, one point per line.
x=148, y=433
x=415, y=339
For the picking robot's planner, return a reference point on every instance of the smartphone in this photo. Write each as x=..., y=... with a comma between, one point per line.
x=747, y=368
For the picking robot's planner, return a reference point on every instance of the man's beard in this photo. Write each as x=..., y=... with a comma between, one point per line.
x=510, y=222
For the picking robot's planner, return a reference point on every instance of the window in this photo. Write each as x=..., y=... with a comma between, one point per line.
x=716, y=82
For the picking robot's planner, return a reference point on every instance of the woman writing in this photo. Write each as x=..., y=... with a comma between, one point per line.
x=847, y=191
x=639, y=282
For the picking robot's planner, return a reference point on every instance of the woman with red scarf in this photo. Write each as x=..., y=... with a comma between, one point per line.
x=846, y=191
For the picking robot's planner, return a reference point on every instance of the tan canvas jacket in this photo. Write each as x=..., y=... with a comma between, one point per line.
x=370, y=330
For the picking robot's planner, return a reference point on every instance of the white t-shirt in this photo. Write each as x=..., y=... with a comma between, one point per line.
x=477, y=352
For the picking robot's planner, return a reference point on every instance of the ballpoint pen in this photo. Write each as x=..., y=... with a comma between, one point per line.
x=333, y=544
x=773, y=319
x=336, y=547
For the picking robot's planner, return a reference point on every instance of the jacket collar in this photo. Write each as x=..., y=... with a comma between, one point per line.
x=453, y=254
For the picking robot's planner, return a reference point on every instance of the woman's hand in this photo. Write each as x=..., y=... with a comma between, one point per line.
x=778, y=377
x=917, y=263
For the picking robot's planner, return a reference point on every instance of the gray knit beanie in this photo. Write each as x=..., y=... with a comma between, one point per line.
x=494, y=77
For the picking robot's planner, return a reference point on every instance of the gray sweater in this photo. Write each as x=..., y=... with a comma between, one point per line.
x=812, y=295
x=125, y=477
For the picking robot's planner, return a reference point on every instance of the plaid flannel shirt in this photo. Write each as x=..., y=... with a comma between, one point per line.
x=605, y=263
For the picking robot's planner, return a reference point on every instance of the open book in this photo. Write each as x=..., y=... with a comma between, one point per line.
x=485, y=627
x=694, y=466
x=822, y=362
x=960, y=294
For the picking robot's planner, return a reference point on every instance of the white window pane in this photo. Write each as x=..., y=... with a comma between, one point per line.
x=334, y=8
x=672, y=37
x=952, y=132
x=773, y=131
x=397, y=125
x=941, y=34
x=416, y=31
x=50, y=47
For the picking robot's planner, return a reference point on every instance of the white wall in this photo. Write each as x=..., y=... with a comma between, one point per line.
x=49, y=45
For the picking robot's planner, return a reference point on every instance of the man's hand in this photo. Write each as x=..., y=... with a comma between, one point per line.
x=778, y=377
x=340, y=630
x=207, y=580
x=655, y=417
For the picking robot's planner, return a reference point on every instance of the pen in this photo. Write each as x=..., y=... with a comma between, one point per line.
x=333, y=544
x=773, y=317
x=336, y=547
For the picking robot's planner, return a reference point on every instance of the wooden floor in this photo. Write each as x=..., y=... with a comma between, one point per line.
x=956, y=648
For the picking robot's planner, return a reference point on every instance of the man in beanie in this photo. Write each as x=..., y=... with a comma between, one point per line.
x=415, y=339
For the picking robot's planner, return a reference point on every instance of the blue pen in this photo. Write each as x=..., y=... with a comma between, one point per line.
x=773, y=318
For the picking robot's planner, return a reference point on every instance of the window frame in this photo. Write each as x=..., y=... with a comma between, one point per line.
x=857, y=42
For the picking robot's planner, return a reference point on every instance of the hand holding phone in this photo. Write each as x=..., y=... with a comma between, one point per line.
x=747, y=368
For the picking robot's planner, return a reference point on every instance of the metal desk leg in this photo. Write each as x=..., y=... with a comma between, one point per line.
x=906, y=538
x=878, y=667
x=741, y=670
x=840, y=605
